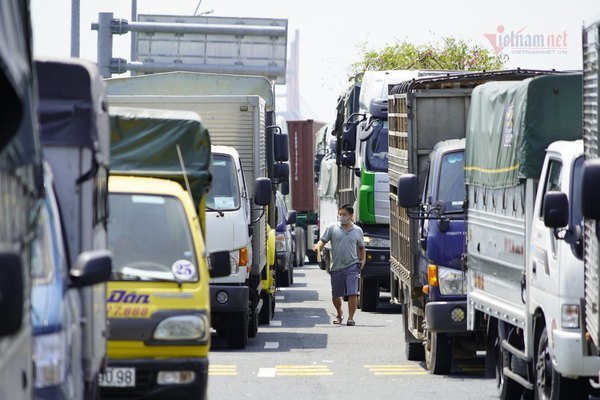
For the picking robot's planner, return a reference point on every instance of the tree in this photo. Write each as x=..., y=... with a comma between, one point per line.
x=454, y=54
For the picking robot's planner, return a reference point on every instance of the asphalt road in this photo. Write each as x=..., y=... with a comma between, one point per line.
x=302, y=355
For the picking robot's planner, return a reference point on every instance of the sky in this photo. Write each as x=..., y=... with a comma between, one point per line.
x=541, y=34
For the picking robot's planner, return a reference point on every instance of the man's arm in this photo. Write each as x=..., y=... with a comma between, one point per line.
x=319, y=245
x=362, y=257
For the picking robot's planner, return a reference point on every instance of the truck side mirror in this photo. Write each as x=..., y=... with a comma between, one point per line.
x=291, y=217
x=219, y=264
x=281, y=147
x=262, y=192
x=556, y=210
x=348, y=159
x=285, y=188
x=12, y=290
x=92, y=267
x=281, y=171
x=590, y=196
x=408, y=191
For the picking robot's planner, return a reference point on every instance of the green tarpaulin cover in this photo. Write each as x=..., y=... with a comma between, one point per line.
x=510, y=125
x=144, y=143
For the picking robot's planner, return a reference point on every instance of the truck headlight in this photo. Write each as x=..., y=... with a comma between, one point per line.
x=569, y=317
x=49, y=354
x=182, y=327
x=234, y=260
x=280, y=243
x=451, y=281
x=376, y=242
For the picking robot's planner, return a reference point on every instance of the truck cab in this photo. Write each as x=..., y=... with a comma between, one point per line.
x=229, y=223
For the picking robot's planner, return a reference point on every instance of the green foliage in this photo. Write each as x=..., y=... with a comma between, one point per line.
x=453, y=54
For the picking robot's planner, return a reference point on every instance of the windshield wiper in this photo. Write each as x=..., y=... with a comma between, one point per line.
x=215, y=210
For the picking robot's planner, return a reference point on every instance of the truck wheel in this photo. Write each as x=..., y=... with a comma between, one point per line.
x=506, y=388
x=253, y=323
x=369, y=294
x=412, y=350
x=237, y=331
x=549, y=384
x=300, y=246
x=438, y=353
x=291, y=272
x=264, y=317
x=283, y=278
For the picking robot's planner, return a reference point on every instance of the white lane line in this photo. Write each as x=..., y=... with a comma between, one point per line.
x=279, y=297
x=275, y=322
x=278, y=309
x=266, y=372
x=271, y=345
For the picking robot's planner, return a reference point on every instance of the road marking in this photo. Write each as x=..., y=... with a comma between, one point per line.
x=222, y=370
x=278, y=309
x=275, y=322
x=303, y=370
x=279, y=297
x=266, y=372
x=407, y=369
x=271, y=345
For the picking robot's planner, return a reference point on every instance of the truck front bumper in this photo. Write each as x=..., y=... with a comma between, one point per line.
x=438, y=316
x=146, y=385
x=568, y=357
x=377, y=265
x=237, y=299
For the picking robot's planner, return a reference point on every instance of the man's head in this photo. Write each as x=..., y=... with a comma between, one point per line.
x=345, y=213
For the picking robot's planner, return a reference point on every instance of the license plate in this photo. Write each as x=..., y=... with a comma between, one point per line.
x=117, y=377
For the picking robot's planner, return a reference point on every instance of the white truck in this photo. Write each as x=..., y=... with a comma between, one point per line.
x=524, y=247
x=70, y=319
x=236, y=121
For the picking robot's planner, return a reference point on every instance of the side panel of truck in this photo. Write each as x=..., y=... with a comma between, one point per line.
x=591, y=59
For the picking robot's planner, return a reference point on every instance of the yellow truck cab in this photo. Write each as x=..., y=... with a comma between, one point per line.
x=158, y=296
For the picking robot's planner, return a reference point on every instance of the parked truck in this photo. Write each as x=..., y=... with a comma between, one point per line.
x=303, y=190
x=21, y=185
x=364, y=173
x=235, y=109
x=158, y=296
x=72, y=263
x=427, y=118
x=524, y=255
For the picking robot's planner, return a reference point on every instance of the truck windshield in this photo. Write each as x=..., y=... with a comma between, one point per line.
x=451, y=187
x=224, y=193
x=150, y=238
x=377, y=147
x=576, y=218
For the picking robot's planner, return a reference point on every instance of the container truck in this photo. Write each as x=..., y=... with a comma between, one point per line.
x=73, y=262
x=303, y=191
x=524, y=257
x=364, y=172
x=427, y=119
x=21, y=185
x=239, y=121
x=158, y=295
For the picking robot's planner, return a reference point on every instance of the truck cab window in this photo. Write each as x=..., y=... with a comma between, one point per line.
x=553, y=181
x=224, y=192
x=451, y=189
x=377, y=147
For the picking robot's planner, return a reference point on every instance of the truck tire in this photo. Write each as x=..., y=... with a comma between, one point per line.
x=300, y=246
x=506, y=388
x=438, y=353
x=237, y=331
x=413, y=351
x=266, y=313
x=549, y=384
x=253, y=323
x=369, y=294
x=283, y=278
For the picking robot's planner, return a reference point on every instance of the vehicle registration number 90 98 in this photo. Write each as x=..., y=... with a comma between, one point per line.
x=117, y=377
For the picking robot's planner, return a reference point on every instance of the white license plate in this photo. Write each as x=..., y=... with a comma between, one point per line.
x=117, y=377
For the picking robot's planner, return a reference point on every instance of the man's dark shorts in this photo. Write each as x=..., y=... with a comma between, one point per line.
x=345, y=281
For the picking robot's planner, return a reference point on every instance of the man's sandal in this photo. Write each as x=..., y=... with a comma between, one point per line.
x=338, y=319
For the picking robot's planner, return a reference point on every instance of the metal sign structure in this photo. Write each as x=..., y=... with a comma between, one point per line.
x=247, y=46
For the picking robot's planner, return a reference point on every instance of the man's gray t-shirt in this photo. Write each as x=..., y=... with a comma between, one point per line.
x=344, y=245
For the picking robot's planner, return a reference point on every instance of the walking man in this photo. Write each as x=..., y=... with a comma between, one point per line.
x=348, y=259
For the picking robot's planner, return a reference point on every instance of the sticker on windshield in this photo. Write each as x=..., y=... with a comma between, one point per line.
x=224, y=202
x=183, y=270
